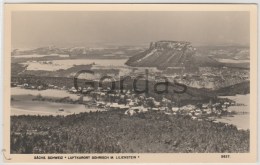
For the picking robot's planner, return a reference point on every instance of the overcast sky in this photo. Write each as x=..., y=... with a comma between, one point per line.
x=66, y=29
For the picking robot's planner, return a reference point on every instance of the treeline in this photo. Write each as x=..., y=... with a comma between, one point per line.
x=67, y=99
x=114, y=132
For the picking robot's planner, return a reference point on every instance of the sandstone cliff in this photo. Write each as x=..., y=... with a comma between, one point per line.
x=164, y=54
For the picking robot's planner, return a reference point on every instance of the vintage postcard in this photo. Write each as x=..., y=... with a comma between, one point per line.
x=122, y=83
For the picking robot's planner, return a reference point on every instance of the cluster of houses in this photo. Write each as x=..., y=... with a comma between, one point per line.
x=133, y=104
x=36, y=86
x=42, y=62
x=204, y=111
x=28, y=86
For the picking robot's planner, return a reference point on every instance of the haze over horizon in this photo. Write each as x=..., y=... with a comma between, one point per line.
x=32, y=29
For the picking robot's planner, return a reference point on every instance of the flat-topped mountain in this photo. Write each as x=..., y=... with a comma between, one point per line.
x=164, y=54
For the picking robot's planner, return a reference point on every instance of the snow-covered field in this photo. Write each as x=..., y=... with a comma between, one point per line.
x=38, y=56
x=54, y=65
x=241, y=99
x=242, y=121
x=47, y=108
x=232, y=61
x=44, y=93
x=23, y=104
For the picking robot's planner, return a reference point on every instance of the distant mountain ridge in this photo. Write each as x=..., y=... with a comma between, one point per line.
x=52, y=50
x=163, y=54
x=41, y=51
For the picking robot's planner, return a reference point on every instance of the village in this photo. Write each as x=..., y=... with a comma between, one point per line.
x=133, y=104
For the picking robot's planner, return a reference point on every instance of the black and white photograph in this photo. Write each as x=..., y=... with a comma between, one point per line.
x=116, y=82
